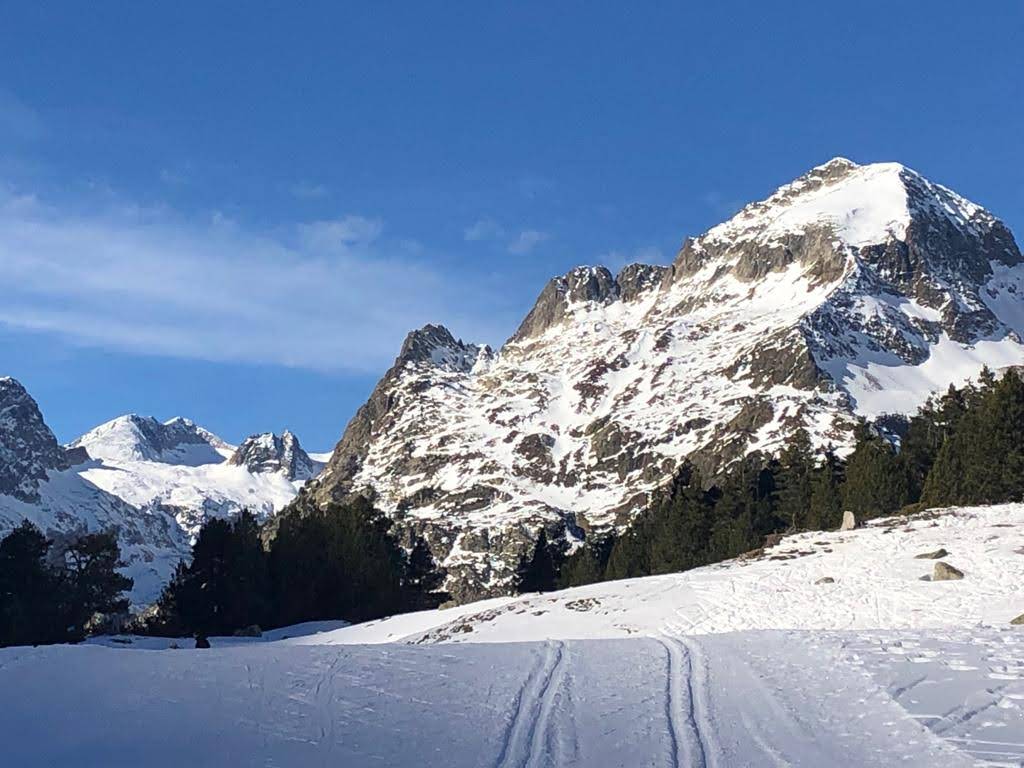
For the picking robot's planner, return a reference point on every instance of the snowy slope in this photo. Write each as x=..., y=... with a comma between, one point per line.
x=877, y=585
x=621, y=674
x=853, y=291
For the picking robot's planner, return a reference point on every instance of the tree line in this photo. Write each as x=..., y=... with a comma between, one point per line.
x=963, y=447
x=336, y=562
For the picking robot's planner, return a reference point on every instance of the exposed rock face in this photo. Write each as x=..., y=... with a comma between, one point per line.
x=270, y=453
x=946, y=572
x=28, y=449
x=853, y=291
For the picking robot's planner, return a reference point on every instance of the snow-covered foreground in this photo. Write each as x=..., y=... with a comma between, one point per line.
x=749, y=663
x=751, y=698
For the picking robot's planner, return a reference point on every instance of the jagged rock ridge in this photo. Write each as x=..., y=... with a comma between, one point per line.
x=268, y=452
x=854, y=290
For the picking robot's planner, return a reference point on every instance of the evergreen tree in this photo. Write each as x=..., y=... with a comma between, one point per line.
x=339, y=562
x=28, y=590
x=795, y=476
x=586, y=565
x=88, y=583
x=982, y=462
x=875, y=481
x=539, y=572
x=826, y=502
x=225, y=587
x=423, y=581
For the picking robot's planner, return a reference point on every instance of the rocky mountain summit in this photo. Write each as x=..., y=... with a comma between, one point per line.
x=854, y=291
x=272, y=453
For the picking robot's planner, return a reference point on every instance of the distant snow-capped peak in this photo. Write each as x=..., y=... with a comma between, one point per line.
x=268, y=452
x=143, y=438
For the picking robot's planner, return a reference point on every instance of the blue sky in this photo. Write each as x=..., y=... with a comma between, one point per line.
x=235, y=212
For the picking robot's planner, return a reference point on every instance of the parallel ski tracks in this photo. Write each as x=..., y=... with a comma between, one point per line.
x=691, y=732
x=526, y=740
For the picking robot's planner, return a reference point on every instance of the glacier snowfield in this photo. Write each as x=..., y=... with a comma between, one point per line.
x=747, y=663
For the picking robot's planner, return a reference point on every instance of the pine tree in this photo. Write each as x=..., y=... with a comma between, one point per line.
x=586, y=565
x=796, y=469
x=226, y=586
x=423, y=581
x=875, y=481
x=539, y=572
x=88, y=582
x=28, y=590
x=339, y=562
x=826, y=503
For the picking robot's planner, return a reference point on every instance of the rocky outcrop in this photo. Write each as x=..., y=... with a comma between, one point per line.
x=28, y=449
x=823, y=303
x=272, y=453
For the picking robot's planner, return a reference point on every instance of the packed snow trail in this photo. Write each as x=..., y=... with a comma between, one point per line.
x=745, y=699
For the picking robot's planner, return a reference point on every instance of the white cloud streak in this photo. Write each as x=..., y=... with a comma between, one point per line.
x=526, y=241
x=328, y=295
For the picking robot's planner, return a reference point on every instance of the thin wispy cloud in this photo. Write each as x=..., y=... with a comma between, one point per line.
x=526, y=241
x=483, y=229
x=329, y=295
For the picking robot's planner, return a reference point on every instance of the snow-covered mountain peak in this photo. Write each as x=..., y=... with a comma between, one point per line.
x=859, y=205
x=143, y=438
x=267, y=452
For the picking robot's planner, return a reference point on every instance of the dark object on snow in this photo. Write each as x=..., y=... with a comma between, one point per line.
x=946, y=572
x=936, y=555
x=825, y=580
x=1018, y=621
x=202, y=642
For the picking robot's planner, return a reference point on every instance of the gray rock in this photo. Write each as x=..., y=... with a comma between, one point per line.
x=936, y=555
x=270, y=453
x=946, y=572
x=825, y=580
x=1018, y=621
x=849, y=521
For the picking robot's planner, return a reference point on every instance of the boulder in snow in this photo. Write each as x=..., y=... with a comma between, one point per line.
x=946, y=572
x=938, y=554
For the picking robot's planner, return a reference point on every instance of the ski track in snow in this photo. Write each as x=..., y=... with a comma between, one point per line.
x=526, y=740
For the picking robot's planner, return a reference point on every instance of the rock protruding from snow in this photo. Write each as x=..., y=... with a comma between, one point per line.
x=143, y=438
x=272, y=453
x=946, y=572
x=28, y=449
